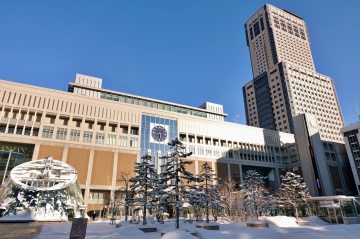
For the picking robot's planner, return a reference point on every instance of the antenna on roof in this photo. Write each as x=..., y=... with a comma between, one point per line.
x=357, y=110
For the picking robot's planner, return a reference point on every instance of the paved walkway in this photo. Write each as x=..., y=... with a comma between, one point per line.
x=19, y=230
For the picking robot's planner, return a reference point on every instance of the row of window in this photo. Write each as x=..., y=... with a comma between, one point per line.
x=243, y=154
x=51, y=118
x=155, y=105
x=289, y=27
x=89, y=137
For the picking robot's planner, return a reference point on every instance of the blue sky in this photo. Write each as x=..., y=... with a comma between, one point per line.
x=186, y=52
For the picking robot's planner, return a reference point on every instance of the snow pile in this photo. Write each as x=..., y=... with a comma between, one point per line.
x=281, y=227
x=130, y=231
x=178, y=234
x=283, y=221
x=313, y=220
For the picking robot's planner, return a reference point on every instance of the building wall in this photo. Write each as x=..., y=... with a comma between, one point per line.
x=96, y=136
x=50, y=150
x=79, y=159
x=323, y=163
x=352, y=139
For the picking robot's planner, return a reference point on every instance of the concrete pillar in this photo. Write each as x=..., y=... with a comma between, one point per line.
x=88, y=177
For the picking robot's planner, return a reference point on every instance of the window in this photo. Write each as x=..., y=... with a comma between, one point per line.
x=27, y=131
x=113, y=128
x=74, y=135
x=19, y=130
x=111, y=139
x=87, y=137
x=99, y=138
x=134, y=131
x=101, y=126
x=61, y=133
x=90, y=125
x=47, y=132
x=133, y=142
x=2, y=128
x=124, y=129
x=11, y=129
x=123, y=141
x=77, y=123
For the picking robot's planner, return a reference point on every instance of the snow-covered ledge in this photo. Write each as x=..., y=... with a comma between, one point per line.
x=209, y=226
x=258, y=224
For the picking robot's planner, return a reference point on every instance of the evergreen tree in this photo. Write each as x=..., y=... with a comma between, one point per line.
x=143, y=184
x=173, y=171
x=256, y=193
x=217, y=202
x=293, y=192
x=196, y=197
x=207, y=177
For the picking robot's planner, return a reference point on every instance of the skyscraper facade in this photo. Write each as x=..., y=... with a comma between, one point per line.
x=285, y=82
x=288, y=95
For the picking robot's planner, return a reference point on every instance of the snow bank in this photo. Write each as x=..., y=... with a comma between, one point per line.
x=281, y=227
x=313, y=220
x=130, y=230
x=283, y=221
x=180, y=234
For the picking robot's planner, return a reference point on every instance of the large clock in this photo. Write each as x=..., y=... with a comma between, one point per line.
x=159, y=133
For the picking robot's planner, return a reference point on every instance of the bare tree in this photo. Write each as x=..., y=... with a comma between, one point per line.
x=229, y=192
x=124, y=177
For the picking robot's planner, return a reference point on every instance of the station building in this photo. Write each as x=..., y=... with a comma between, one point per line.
x=102, y=133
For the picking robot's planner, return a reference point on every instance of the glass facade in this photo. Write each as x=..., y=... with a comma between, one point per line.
x=146, y=138
x=151, y=104
x=13, y=154
x=270, y=181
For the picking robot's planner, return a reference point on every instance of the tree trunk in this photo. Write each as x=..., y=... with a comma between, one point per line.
x=126, y=202
x=144, y=215
x=256, y=213
x=126, y=212
x=177, y=211
x=296, y=213
x=207, y=203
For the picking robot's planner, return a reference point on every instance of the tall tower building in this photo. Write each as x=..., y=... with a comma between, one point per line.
x=274, y=36
x=288, y=95
x=285, y=82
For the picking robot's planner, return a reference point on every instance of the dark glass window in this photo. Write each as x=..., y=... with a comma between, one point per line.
x=262, y=24
x=256, y=29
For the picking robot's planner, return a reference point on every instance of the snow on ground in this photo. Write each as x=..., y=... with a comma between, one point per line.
x=280, y=227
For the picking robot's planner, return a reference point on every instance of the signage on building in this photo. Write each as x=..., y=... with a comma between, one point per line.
x=78, y=228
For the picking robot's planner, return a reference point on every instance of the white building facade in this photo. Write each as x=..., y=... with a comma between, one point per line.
x=102, y=133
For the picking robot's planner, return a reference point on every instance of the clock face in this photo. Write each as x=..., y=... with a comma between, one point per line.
x=159, y=133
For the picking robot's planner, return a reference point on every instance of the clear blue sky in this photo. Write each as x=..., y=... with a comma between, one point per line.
x=186, y=52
